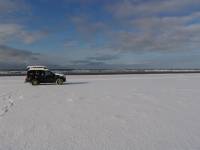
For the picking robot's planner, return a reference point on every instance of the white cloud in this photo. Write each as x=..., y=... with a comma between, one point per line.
x=10, y=57
x=82, y=2
x=31, y=37
x=17, y=56
x=130, y=8
x=160, y=34
x=12, y=28
x=87, y=27
x=141, y=26
x=8, y=6
x=10, y=32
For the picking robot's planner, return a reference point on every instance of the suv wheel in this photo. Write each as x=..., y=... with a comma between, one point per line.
x=35, y=82
x=59, y=81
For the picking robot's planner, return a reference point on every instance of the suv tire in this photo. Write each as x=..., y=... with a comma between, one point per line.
x=59, y=81
x=35, y=82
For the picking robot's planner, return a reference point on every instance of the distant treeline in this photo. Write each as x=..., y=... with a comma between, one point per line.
x=104, y=71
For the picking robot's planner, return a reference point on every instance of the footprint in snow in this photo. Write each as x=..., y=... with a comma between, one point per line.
x=21, y=97
x=4, y=110
x=70, y=100
x=9, y=103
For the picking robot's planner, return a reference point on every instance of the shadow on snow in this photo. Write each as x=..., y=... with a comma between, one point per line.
x=66, y=83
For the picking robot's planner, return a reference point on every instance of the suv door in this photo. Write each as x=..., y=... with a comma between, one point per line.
x=49, y=77
x=42, y=76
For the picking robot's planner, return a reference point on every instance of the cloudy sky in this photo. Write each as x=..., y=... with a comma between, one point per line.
x=100, y=33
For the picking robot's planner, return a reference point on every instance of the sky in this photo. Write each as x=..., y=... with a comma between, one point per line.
x=134, y=34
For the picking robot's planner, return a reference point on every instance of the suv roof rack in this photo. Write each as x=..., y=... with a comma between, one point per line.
x=36, y=68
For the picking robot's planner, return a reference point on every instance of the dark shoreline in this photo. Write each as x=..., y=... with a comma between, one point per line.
x=102, y=72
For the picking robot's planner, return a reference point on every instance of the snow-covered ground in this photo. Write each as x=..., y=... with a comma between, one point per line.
x=119, y=112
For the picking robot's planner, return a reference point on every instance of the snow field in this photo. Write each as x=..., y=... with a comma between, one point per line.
x=114, y=112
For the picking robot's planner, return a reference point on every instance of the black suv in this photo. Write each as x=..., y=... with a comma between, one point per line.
x=37, y=76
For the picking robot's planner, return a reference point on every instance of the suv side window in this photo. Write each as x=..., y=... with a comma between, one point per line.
x=30, y=73
x=42, y=73
x=37, y=73
x=48, y=73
